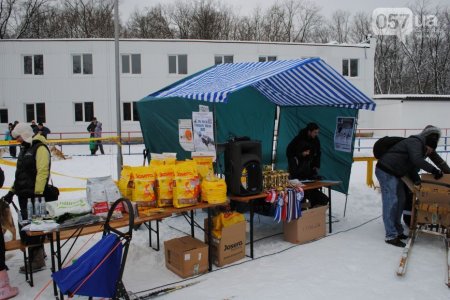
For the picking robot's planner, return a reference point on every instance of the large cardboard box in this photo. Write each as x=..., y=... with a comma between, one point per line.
x=186, y=256
x=310, y=226
x=434, y=200
x=230, y=247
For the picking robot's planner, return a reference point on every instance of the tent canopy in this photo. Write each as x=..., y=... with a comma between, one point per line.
x=244, y=98
x=300, y=82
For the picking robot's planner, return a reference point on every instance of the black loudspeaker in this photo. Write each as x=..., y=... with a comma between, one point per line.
x=243, y=169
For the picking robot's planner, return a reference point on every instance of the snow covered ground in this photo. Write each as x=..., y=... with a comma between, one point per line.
x=351, y=263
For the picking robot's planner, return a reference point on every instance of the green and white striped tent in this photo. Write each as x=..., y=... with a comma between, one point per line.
x=245, y=97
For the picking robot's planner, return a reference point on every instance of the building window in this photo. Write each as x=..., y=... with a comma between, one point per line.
x=223, y=59
x=35, y=111
x=84, y=111
x=350, y=67
x=33, y=64
x=178, y=64
x=4, y=116
x=82, y=64
x=130, y=112
x=267, y=58
x=131, y=64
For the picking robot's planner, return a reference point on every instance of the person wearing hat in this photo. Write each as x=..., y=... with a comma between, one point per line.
x=31, y=178
x=405, y=158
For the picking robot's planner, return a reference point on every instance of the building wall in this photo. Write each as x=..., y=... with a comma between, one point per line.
x=59, y=88
x=398, y=114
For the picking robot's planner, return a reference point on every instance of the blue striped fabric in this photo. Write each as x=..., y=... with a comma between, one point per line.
x=298, y=82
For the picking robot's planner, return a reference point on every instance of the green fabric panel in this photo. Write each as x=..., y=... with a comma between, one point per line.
x=247, y=113
x=159, y=122
x=335, y=165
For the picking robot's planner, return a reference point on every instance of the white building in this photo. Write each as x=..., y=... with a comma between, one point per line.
x=65, y=82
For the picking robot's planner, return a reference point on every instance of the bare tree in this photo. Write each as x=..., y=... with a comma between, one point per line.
x=340, y=26
x=16, y=16
x=152, y=23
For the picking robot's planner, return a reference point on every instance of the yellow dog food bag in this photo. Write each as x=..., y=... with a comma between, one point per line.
x=204, y=165
x=186, y=183
x=126, y=182
x=144, y=187
x=225, y=219
x=164, y=185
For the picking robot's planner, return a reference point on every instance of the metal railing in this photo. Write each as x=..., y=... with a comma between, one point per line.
x=366, y=137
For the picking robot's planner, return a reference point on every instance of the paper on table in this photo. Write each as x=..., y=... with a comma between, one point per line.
x=44, y=225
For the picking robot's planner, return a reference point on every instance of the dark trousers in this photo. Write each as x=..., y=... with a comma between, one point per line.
x=2, y=251
x=13, y=151
x=99, y=145
x=316, y=197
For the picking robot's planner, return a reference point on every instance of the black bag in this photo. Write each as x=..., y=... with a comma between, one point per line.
x=51, y=193
x=384, y=144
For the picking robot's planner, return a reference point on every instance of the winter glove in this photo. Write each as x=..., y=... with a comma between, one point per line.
x=8, y=197
x=438, y=174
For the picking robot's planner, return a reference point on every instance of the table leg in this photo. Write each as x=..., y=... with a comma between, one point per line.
x=192, y=223
x=149, y=227
x=209, y=240
x=58, y=250
x=52, y=255
x=251, y=228
x=157, y=235
x=329, y=211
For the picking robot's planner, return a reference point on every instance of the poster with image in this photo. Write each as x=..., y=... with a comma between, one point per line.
x=203, y=126
x=185, y=135
x=343, y=135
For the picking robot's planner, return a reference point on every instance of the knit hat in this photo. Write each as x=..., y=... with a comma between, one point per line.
x=432, y=135
x=24, y=131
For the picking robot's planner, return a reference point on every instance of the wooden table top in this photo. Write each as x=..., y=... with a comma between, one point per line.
x=162, y=213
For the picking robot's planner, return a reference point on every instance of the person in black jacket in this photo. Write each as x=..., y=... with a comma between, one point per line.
x=91, y=129
x=437, y=160
x=309, y=136
x=405, y=158
x=303, y=154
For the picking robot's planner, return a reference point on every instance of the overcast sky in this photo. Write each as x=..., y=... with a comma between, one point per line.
x=245, y=7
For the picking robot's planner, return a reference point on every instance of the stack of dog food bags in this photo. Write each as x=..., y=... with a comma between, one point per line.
x=186, y=184
x=214, y=190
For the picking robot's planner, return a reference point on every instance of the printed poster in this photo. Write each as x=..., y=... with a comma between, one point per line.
x=203, y=126
x=185, y=134
x=343, y=135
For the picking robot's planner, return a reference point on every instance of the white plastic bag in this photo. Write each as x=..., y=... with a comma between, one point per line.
x=60, y=207
x=101, y=189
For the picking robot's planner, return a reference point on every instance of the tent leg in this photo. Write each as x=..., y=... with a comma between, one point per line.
x=345, y=205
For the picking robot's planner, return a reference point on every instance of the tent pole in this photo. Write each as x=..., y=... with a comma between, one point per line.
x=118, y=118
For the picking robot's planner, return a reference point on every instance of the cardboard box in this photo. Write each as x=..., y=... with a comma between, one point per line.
x=434, y=204
x=310, y=226
x=186, y=256
x=231, y=246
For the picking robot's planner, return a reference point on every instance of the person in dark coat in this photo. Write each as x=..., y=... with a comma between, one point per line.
x=437, y=160
x=42, y=130
x=405, y=158
x=303, y=154
x=91, y=129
